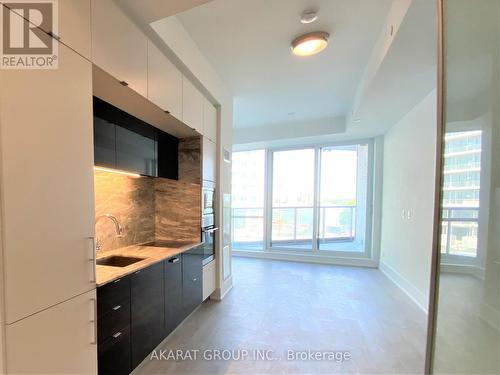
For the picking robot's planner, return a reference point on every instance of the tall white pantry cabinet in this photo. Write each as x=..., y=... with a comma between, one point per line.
x=46, y=182
x=47, y=205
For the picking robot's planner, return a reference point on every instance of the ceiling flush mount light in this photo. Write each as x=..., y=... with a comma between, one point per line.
x=310, y=44
x=308, y=16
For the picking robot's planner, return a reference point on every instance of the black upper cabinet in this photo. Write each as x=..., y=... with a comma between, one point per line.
x=168, y=156
x=135, y=152
x=124, y=142
x=104, y=143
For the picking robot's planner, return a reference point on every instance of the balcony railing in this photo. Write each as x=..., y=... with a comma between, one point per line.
x=294, y=225
x=460, y=231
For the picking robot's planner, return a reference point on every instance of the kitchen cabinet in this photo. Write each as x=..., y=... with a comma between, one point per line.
x=124, y=142
x=73, y=25
x=209, y=278
x=47, y=186
x=114, y=354
x=191, y=280
x=164, y=82
x=135, y=152
x=62, y=338
x=209, y=160
x=209, y=121
x=104, y=143
x=113, y=327
x=173, y=293
x=147, y=311
x=118, y=45
x=136, y=312
x=192, y=106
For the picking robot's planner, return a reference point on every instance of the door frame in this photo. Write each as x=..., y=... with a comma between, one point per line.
x=436, y=242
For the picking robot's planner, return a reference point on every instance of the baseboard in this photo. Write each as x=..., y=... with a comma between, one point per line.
x=462, y=269
x=356, y=262
x=221, y=292
x=406, y=286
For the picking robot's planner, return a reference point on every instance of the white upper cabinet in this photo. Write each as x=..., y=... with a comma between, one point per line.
x=164, y=82
x=209, y=160
x=118, y=45
x=192, y=106
x=74, y=25
x=47, y=184
x=209, y=120
x=64, y=338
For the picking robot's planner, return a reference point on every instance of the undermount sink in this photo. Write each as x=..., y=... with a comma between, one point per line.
x=117, y=261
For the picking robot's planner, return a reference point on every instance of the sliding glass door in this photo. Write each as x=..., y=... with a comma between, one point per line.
x=464, y=312
x=319, y=199
x=343, y=198
x=293, y=199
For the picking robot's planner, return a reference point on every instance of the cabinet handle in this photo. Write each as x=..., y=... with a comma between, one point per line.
x=124, y=83
x=117, y=307
x=195, y=279
x=94, y=322
x=117, y=281
x=117, y=334
x=174, y=260
x=93, y=260
x=210, y=230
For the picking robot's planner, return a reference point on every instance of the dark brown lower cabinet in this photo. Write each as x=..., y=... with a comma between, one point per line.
x=114, y=354
x=192, y=277
x=147, y=311
x=174, y=312
x=136, y=312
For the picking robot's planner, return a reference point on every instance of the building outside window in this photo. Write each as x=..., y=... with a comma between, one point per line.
x=461, y=187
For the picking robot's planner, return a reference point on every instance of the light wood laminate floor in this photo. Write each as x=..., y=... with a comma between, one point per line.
x=281, y=306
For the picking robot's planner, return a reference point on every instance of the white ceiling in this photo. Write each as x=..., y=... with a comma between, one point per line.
x=248, y=43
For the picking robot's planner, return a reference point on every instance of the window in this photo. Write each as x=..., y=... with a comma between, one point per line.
x=308, y=200
x=461, y=186
x=248, y=187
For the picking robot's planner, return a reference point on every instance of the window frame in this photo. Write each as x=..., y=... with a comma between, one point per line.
x=368, y=252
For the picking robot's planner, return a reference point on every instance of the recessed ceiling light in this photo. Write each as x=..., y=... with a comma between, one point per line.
x=310, y=44
x=308, y=16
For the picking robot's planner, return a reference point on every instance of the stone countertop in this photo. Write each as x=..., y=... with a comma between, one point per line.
x=151, y=255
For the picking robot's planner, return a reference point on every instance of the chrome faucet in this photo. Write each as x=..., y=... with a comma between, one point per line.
x=118, y=228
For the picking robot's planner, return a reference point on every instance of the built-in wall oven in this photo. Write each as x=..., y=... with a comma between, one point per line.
x=208, y=228
x=208, y=200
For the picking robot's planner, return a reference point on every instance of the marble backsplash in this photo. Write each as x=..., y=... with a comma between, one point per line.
x=178, y=210
x=132, y=201
x=148, y=209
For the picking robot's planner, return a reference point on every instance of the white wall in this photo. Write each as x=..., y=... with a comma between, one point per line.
x=408, y=184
